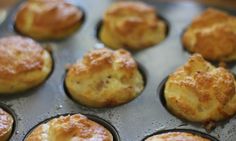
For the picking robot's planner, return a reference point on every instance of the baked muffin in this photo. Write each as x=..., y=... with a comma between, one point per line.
x=23, y=64
x=200, y=92
x=70, y=128
x=133, y=25
x=212, y=34
x=176, y=136
x=45, y=20
x=104, y=78
x=6, y=125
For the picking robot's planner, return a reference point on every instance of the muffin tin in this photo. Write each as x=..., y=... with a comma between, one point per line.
x=193, y=132
x=133, y=121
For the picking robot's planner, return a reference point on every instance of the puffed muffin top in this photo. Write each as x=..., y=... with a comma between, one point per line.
x=212, y=34
x=19, y=55
x=104, y=78
x=23, y=64
x=176, y=136
x=6, y=125
x=132, y=25
x=200, y=92
x=70, y=128
x=44, y=20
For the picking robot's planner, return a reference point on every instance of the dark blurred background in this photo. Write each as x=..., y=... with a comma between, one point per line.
x=224, y=3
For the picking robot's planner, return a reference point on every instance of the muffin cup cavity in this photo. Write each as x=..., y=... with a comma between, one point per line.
x=12, y=26
x=208, y=125
x=107, y=125
x=160, y=92
x=29, y=91
x=215, y=45
x=161, y=96
x=11, y=112
x=167, y=23
x=162, y=18
x=144, y=74
x=191, y=131
x=141, y=69
x=3, y=16
x=94, y=118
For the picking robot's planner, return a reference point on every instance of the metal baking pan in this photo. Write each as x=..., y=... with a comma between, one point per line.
x=145, y=115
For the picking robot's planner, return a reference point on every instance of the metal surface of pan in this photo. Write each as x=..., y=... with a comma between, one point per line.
x=133, y=121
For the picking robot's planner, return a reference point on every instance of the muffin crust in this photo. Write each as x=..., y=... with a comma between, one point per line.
x=133, y=25
x=176, y=136
x=104, y=78
x=19, y=55
x=44, y=20
x=199, y=92
x=70, y=128
x=212, y=34
x=6, y=125
x=23, y=64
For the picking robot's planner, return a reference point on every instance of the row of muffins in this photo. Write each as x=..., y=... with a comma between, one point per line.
x=130, y=25
x=81, y=128
x=133, y=25
x=210, y=23
x=106, y=78
x=197, y=92
x=117, y=80
x=88, y=60
x=97, y=80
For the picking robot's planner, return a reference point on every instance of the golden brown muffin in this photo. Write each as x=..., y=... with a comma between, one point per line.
x=6, y=125
x=104, y=78
x=176, y=136
x=133, y=25
x=23, y=64
x=70, y=128
x=200, y=92
x=212, y=34
x=44, y=20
